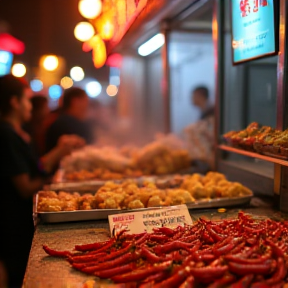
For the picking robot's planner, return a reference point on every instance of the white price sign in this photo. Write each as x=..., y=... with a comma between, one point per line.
x=144, y=221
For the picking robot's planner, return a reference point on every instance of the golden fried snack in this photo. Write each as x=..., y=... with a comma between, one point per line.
x=213, y=177
x=70, y=205
x=144, y=196
x=109, y=200
x=135, y=204
x=47, y=194
x=179, y=196
x=49, y=205
x=65, y=196
x=154, y=201
x=86, y=202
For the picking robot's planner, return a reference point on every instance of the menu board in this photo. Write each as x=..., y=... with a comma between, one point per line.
x=254, y=29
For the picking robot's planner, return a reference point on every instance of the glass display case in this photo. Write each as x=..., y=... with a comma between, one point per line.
x=254, y=91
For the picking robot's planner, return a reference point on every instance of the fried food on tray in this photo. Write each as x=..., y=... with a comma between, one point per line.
x=156, y=158
x=260, y=139
x=50, y=204
x=163, y=156
x=213, y=185
x=128, y=195
x=48, y=194
x=86, y=202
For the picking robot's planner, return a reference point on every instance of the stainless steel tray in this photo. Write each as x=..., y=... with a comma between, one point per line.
x=98, y=214
x=91, y=185
x=81, y=186
x=60, y=184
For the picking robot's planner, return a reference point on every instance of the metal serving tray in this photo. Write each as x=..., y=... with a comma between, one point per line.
x=91, y=185
x=85, y=186
x=98, y=214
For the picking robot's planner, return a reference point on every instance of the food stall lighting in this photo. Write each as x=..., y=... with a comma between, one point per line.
x=51, y=62
x=107, y=31
x=84, y=31
x=66, y=82
x=55, y=92
x=93, y=89
x=112, y=90
x=36, y=85
x=90, y=9
x=114, y=80
x=151, y=45
x=99, y=55
x=77, y=73
x=18, y=70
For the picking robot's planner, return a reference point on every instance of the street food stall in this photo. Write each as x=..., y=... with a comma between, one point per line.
x=136, y=217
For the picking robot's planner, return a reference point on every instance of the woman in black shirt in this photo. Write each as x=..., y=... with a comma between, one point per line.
x=21, y=175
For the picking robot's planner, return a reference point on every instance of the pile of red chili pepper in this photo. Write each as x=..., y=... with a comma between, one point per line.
x=233, y=253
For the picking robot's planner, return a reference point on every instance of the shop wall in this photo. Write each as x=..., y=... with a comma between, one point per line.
x=192, y=64
x=140, y=101
x=131, y=99
x=154, y=116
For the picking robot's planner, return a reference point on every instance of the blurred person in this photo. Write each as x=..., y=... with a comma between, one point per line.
x=200, y=99
x=21, y=176
x=53, y=115
x=200, y=135
x=36, y=126
x=72, y=118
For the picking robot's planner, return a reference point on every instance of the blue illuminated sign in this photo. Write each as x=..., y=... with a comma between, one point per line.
x=6, y=59
x=253, y=29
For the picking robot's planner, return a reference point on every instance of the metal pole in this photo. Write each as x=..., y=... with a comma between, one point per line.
x=281, y=172
x=218, y=39
x=166, y=79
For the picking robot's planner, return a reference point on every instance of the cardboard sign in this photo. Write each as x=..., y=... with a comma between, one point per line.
x=147, y=219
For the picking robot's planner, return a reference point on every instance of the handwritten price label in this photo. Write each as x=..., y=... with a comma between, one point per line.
x=146, y=220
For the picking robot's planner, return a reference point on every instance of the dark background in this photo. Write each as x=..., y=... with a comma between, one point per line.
x=47, y=27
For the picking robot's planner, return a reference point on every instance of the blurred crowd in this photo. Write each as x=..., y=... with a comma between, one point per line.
x=33, y=141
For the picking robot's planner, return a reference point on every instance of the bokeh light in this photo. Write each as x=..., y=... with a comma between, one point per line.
x=107, y=30
x=84, y=31
x=90, y=9
x=99, y=54
x=77, y=73
x=36, y=85
x=114, y=80
x=51, y=62
x=93, y=89
x=55, y=92
x=112, y=90
x=18, y=70
x=66, y=82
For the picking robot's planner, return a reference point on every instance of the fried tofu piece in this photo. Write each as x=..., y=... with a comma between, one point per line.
x=135, y=204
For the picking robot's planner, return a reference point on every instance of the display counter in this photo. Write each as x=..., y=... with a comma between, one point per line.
x=45, y=271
